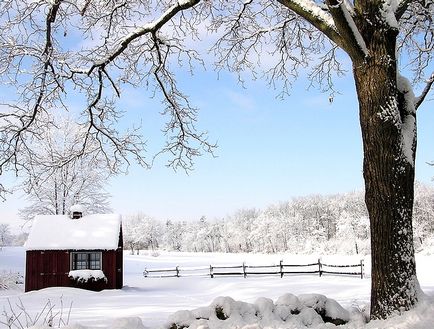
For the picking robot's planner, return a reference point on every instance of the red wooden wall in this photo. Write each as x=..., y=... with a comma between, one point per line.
x=50, y=268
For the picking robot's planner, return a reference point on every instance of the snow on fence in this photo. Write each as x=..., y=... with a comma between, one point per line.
x=247, y=270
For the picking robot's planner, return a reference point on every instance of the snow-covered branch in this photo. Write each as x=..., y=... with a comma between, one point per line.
x=315, y=15
x=150, y=28
x=352, y=40
x=182, y=115
x=419, y=100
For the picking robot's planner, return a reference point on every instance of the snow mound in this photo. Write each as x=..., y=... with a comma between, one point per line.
x=87, y=275
x=120, y=323
x=288, y=304
x=130, y=323
x=289, y=311
x=327, y=308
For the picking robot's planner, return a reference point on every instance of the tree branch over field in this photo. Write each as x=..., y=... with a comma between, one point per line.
x=54, y=68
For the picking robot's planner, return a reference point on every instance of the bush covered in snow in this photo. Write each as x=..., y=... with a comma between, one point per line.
x=9, y=280
x=83, y=276
x=289, y=311
x=88, y=279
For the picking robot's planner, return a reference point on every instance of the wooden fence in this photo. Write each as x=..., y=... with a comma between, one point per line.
x=249, y=270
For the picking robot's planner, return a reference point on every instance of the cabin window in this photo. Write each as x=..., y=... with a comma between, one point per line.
x=86, y=261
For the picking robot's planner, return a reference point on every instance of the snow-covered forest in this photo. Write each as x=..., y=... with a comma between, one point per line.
x=331, y=224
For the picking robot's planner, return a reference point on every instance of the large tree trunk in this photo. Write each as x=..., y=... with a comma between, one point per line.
x=388, y=124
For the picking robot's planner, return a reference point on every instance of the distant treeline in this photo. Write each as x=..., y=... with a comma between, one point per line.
x=328, y=224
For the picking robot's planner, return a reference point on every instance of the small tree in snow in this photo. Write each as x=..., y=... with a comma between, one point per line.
x=5, y=235
x=54, y=180
x=423, y=212
x=174, y=235
x=142, y=232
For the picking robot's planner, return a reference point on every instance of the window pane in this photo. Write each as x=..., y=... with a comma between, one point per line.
x=86, y=261
x=95, y=265
x=79, y=261
x=95, y=261
x=94, y=256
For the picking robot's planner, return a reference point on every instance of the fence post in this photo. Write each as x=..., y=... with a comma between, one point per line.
x=319, y=267
x=244, y=270
x=281, y=269
x=177, y=272
x=211, y=272
x=361, y=269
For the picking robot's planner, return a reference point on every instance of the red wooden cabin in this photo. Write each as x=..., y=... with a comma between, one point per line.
x=75, y=251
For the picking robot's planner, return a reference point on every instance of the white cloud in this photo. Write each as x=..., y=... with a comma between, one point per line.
x=241, y=101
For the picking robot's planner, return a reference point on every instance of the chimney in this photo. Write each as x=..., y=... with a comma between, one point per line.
x=76, y=211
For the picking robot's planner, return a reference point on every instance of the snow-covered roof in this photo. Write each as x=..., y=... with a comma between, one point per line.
x=60, y=232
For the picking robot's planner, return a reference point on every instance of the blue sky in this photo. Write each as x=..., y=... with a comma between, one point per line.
x=269, y=149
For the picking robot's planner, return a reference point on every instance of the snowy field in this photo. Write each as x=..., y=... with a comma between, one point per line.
x=153, y=300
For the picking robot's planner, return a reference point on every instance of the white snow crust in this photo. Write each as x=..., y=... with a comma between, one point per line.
x=354, y=29
x=86, y=275
x=316, y=10
x=60, y=232
x=388, y=11
x=408, y=128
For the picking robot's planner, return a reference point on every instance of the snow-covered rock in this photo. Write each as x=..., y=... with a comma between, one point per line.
x=327, y=308
x=289, y=311
x=309, y=317
x=181, y=319
x=286, y=305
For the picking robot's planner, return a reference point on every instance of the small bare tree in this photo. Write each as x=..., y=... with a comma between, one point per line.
x=5, y=235
x=54, y=179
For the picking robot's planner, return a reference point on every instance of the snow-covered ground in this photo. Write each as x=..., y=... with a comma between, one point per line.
x=153, y=300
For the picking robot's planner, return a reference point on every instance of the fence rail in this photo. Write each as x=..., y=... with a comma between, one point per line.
x=249, y=270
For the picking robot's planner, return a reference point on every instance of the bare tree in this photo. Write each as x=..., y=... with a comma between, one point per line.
x=5, y=235
x=54, y=181
x=140, y=42
x=142, y=232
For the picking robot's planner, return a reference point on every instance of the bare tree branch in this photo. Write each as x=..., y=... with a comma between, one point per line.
x=53, y=68
x=426, y=90
x=146, y=29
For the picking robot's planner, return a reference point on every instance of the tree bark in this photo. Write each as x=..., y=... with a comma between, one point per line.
x=388, y=124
